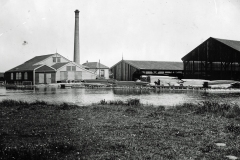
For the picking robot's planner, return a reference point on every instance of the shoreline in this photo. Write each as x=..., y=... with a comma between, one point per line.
x=149, y=88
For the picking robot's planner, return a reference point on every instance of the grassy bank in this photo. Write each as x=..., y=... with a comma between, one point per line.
x=118, y=130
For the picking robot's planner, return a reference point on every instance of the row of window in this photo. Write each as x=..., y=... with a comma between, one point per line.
x=56, y=59
x=19, y=76
x=71, y=68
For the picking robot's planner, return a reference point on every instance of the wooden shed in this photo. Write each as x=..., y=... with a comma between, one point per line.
x=214, y=59
x=130, y=70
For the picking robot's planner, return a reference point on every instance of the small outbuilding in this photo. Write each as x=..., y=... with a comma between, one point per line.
x=96, y=67
x=130, y=70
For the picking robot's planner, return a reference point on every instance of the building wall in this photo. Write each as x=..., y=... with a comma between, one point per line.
x=123, y=71
x=44, y=79
x=87, y=75
x=79, y=74
x=8, y=79
x=106, y=72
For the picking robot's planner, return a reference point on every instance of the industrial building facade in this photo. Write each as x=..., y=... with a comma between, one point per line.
x=214, y=59
x=129, y=70
x=47, y=69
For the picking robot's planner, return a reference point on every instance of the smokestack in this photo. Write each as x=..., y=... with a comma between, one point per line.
x=76, y=57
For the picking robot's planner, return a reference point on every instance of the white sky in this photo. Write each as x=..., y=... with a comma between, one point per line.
x=158, y=30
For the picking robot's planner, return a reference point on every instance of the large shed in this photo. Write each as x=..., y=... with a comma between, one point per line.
x=214, y=59
x=130, y=70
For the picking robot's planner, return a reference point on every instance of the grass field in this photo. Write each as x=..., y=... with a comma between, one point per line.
x=118, y=130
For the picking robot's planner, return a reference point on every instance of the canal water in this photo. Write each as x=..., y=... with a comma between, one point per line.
x=81, y=96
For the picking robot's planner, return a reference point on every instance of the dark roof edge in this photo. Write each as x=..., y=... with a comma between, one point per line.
x=125, y=62
x=115, y=64
x=195, y=48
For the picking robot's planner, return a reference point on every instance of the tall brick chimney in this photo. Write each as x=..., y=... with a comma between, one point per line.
x=76, y=57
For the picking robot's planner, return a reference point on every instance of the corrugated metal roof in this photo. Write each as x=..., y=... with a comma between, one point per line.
x=231, y=43
x=93, y=65
x=59, y=65
x=158, y=65
x=29, y=65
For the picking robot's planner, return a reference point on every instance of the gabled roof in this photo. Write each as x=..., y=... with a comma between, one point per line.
x=29, y=65
x=59, y=65
x=94, y=65
x=45, y=68
x=156, y=65
x=231, y=43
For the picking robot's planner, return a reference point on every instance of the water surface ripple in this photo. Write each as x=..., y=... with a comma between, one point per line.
x=81, y=96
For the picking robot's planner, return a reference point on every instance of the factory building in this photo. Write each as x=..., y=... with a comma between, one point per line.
x=46, y=69
x=129, y=70
x=101, y=70
x=214, y=59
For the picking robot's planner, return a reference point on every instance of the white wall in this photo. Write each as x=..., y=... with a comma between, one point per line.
x=106, y=73
x=85, y=74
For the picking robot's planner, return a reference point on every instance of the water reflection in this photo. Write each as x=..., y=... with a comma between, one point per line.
x=82, y=96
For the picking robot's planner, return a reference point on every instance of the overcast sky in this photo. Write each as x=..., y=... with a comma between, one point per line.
x=157, y=30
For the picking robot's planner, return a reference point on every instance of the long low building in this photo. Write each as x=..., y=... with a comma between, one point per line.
x=130, y=70
x=46, y=69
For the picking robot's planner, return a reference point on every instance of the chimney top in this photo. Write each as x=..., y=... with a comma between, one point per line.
x=76, y=11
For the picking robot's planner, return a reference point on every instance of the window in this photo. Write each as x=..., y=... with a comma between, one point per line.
x=68, y=68
x=54, y=59
x=19, y=75
x=25, y=76
x=16, y=76
x=58, y=59
x=11, y=76
x=73, y=68
x=102, y=73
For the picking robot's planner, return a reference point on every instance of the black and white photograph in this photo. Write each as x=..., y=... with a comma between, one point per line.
x=119, y=80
